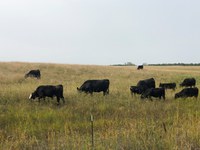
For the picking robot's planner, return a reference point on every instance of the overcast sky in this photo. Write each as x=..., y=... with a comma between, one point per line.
x=101, y=32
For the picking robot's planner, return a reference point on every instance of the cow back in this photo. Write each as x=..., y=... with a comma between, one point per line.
x=148, y=83
x=188, y=82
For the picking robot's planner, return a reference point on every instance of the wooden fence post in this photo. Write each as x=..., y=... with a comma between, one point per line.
x=92, y=130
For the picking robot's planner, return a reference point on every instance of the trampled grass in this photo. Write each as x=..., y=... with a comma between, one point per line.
x=120, y=121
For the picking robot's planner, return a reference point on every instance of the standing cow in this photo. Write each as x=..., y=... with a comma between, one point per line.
x=168, y=85
x=34, y=74
x=52, y=91
x=188, y=82
x=91, y=86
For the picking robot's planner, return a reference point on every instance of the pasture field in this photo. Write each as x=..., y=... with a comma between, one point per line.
x=121, y=122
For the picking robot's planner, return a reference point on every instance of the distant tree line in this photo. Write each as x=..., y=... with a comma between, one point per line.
x=125, y=64
x=175, y=64
x=163, y=64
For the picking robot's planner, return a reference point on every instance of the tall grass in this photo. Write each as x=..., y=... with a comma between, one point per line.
x=120, y=121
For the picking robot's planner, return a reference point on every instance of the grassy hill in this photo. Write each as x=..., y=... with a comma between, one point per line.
x=120, y=121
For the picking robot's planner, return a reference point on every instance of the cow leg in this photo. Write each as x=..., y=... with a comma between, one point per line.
x=63, y=99
x=163, y=97
x=149, y=97
x=91, y=93
x=107, y=92
x=133, y=94
x=58, y=100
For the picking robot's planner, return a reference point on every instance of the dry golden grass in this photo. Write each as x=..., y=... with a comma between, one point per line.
x=120, y=121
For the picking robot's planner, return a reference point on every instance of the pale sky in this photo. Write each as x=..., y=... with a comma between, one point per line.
x=101, y=32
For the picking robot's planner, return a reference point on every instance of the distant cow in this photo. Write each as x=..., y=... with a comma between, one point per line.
x=188, y=82
x=187, y=92
x=140, y=67
x=33, y=73
x=154, y=92
x=168, y=85
x=142, y=86
x=48, y=91
x=91, y=86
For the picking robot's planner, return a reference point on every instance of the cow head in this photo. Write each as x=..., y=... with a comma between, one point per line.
x=177, y=95
x=143, y=96
x=181, y=84
x=79, y=89
x=26, y=76
x=134, y=89
x=32, y=96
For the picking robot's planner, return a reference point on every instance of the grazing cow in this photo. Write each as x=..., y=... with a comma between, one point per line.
x=140, y=67
x=91, y=86
x=142, y=86
x=154, y=92
x=48, y=91
x=168, y=85
x=187, y=92
x=188, y=82
x=33, y=73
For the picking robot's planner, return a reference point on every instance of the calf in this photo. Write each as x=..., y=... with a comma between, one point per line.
x=154, y=92
x=91, y=86
x=187, y=92
x=48, y=91
x=168, y=85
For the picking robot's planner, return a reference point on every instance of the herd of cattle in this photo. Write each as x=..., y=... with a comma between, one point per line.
x=145, y=88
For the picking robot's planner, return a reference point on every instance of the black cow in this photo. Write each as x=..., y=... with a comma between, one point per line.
x=188, y=82
x=33, y=73
x=48, y=91
x=142, y=86
x=168, y=85
x=187, y=92
x=140, y=67
x=147, y=83
x=91, y=86
x=154, y=92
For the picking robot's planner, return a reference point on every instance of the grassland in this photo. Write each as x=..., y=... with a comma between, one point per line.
x=120, y=121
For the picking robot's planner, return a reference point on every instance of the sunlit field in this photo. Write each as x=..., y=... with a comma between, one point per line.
x=120, y=120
